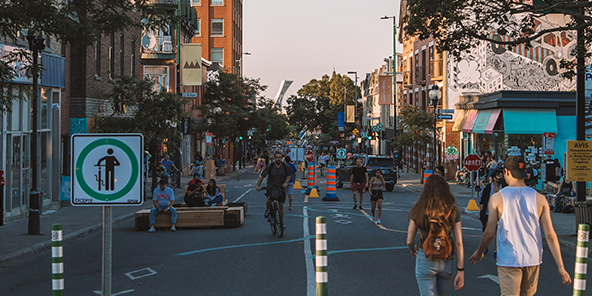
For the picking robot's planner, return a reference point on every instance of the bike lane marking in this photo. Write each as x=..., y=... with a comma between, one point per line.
x=236, y=200
x=246, y=245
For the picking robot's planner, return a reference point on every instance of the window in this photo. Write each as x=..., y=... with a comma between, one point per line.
x=218, y=55
x=121, y=54
x=133, y=57
x=159, y=75
x=217, y=27
x=198, y=25
x=98, y=58
x=196, y=2
x=217, y=2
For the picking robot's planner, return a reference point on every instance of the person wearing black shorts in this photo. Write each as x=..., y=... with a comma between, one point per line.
x=358, y=181
x=279, y=175
x=376, y=184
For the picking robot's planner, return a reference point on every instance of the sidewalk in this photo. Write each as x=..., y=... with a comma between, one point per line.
x=77, y=222
x=564, y=224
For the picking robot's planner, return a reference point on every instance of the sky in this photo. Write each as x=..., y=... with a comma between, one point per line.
x=301, y=40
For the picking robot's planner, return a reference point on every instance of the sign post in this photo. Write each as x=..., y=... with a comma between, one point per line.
x=106, y=170
x=473, y=163
x=579, y=161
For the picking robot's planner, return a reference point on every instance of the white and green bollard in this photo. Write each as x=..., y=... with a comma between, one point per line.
x=581, y=268
x=57, y=261
x=321, y=257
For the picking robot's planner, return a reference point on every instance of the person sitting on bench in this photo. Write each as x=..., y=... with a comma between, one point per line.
x=214, y=197
x=163, y=198
x=194, y=196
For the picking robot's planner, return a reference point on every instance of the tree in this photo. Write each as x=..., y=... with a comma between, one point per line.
x=458, y=25
x=139, y=107
x=317, y=103
x=416, y=126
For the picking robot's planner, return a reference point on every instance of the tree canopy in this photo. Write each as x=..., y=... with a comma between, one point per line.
x=416, y=126
x=457, y=26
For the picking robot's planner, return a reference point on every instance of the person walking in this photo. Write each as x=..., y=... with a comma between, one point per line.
x=518, y=212
x=358, y=181
x=490, y=189
x=375, y=185
x=290, y=188
x=436, y=204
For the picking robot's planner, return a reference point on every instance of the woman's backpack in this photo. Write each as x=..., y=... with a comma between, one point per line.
x=438, y=244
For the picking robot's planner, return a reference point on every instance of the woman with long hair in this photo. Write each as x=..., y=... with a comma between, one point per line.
x=375, y=187
x=436, y=202
x=213, y=195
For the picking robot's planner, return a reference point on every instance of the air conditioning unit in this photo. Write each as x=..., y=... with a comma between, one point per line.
x=167, y=44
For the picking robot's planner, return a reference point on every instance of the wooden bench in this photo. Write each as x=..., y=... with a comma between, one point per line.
x=195, y=217
x=222, y=188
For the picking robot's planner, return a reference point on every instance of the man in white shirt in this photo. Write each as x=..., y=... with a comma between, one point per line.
x=519, y=212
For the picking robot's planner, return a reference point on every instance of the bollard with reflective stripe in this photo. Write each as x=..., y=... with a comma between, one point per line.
x=321, y=257
x=581, y=267
x=331, y=191
x=310, y=181
x=57, y=261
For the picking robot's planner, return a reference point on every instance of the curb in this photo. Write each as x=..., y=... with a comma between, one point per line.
x=44, y=246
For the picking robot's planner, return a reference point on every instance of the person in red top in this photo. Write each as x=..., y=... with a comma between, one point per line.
x=196, y=179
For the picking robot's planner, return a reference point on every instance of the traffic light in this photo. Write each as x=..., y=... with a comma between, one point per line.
x=240, y=138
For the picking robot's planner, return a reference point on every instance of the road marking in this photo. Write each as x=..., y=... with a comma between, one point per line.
x=132, y=277
x=242, y=195
x=310, y=274
x=469, y=228
x=118, y=293
x=365, y=250
x=246, y=245
x=380, y=225
x=492, y=277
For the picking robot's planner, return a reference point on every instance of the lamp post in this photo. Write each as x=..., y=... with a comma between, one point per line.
x=356, y=99
x=394, y=66
x=36, y=43
x=435, y=95
x=241, y=143
x=217, y=110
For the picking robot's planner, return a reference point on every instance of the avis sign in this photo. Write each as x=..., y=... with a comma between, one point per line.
x=579, y=161
x=107, y=169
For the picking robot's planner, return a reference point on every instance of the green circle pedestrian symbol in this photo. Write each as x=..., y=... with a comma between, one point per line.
x=341, y=153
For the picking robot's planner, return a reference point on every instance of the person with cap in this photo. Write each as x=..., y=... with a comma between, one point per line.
x=518, y=212
x=163, y=198
x=196, y=168
x=196, y=180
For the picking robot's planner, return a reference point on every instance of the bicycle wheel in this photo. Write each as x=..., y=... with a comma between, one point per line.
x=279, y=222
x=272, y=221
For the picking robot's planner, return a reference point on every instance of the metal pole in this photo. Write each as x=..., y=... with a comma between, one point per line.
x=35, y=44
x=434, y=147
x=395, y=74
x=580, y=108
x=321, y=257
x=57, y=261
x=581, y=266
x=107, y=227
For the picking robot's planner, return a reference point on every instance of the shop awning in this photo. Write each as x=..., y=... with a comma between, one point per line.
x=470, y=122
x=460, y=120
x=524, y=121
x=481, y=122
x=492, y=121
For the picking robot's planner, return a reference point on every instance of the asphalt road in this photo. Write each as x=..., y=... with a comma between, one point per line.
x=364, y=258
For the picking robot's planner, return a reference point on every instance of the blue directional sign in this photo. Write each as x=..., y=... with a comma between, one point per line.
x=444, y=116
x=340, y=119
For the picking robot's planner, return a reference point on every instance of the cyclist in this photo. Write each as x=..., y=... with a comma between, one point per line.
x=279, y=176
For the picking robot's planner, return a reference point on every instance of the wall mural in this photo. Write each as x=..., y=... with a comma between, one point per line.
x=492, y=67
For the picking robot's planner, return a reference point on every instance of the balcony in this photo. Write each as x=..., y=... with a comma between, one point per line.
x=166, y=4
x=437, y=68
x=157, y=47
x=420, y=75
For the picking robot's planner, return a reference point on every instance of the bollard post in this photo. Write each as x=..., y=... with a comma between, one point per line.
x=238, y=175
x=330, y=192
x=57, y=261
x=581, y=267
x=310, y=180
x=321, y=257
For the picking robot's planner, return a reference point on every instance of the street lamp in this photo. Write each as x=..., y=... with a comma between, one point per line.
x=217, y=110
x=435, y=94
x=241, y=62
x=394, y=70
x=36, y=44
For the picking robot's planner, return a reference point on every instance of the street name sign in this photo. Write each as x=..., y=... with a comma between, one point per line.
x=189, y=95
x=107, y=169
x=446, y=111
x=579, y=161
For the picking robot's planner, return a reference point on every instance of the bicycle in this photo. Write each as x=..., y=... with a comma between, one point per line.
x=275, y=219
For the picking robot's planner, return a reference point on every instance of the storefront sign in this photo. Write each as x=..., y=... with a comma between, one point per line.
x=579, y=161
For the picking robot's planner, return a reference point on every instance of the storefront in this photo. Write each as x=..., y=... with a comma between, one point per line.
x=15, y=128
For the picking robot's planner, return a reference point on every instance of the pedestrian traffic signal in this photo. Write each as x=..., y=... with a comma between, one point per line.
x=240, y=138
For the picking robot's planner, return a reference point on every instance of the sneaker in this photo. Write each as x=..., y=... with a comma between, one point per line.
x=355, y=206
x=378, y=221
x=283, y=226
x=173, y=229
x=213, y=205
x=266, y=215
x=361, y=207
x=373, y=219
x=151, y=229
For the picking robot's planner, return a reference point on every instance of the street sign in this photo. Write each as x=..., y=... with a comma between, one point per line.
x=579, y=161
x=189, y=95
x=379, y=127
x=107, y=169
x=340, y=119
x=441, y=111
x=341, y=128
x=209, y=138
x=549, y=135
x=356, y=131
x=341, y=153
x=364, y=134
x=309, y=156
x=472, y=162
x=444, y=116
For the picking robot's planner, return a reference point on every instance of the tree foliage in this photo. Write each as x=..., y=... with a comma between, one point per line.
x=416, y=126
x=458, y=25
x=317, y=103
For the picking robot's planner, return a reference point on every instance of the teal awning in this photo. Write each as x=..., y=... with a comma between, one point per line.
x=524, y=121
x=481, y=121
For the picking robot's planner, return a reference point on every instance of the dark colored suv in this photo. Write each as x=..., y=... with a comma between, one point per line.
x=371, y=162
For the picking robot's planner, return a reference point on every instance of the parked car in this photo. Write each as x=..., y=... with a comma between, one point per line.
x=371, y=162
